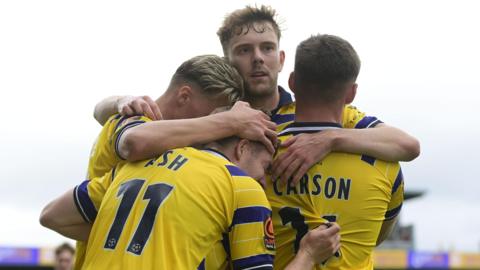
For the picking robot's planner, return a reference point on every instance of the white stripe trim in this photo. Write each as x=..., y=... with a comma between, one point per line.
x=374, y=122
x=258, y=266
x=77, y=198
x=246, y=240
x=251, y=189
x=293, y=129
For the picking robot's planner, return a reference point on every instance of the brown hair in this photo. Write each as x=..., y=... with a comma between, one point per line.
x=324, y=64
x=64, y=247
x=241, y=21
x=212, y=74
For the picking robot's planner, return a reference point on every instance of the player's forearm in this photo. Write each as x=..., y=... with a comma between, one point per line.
x=386, y=229
x=153, y=138
x=105, y=108
x=61, y=213
x=301, y=261
x=79, y=232
x=382, y=142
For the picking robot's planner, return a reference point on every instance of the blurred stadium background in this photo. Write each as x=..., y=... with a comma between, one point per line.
x=397, y=252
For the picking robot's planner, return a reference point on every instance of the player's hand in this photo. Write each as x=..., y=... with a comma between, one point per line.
x=303, y=151
x=321, y=243
x=144, y=105
x=253, y=125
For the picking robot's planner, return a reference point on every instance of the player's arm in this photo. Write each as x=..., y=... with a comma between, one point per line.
x=73, y=213
x=383, y=142
x=126, y=105
x=386, y=229
x=395, y=176
x=251, y=237
x=316, y=247
x=61, y=215
x=362, y=135
x=153, y=138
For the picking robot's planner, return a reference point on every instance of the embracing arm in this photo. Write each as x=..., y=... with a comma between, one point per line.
x=386, y=229
x=61, y=215
x=152, y=138
x=126, y=105
x=382, y=142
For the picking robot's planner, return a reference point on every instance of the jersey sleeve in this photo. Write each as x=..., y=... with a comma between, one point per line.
x=251, y=239
x=89, y=194
x=123, y=126
x=104, y=155
x=353, y=118
x=396, y=176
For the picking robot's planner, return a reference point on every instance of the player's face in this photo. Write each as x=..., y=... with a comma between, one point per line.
x=258, y=59
x=256, y=161
x=64, y=261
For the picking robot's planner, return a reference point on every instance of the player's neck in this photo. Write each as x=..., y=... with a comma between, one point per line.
x=308, y=111
x=163, y=102
x=267, y=102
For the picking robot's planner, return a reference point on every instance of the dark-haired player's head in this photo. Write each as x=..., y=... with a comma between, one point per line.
x=200, y=85
x=251, y=156
x=250, y=39
x=326, y=68
x=64, y=257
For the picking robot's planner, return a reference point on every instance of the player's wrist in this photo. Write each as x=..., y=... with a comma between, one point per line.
x=333, y=139
x=306, y=258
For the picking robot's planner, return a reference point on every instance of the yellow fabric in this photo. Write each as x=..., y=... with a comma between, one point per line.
x=350, y=118
x=341, y=187
x=201, y=197
x=102, y=159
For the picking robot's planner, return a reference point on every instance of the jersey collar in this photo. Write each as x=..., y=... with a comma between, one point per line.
x=215, y=153
x=308, y=127
x=285, y=99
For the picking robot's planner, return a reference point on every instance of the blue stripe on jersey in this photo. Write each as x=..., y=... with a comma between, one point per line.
x=226, y=244
x=250, y=214
x=398, y=181
x=113, y=172
x=368, y=122
x=123, y=118
x=370, y=160
x=83, y=202
x=235, y=171
x=393, y=213
x=285, y=98
x=202, y=265
x=283, y=118
x=122, y=130
x=262, y=261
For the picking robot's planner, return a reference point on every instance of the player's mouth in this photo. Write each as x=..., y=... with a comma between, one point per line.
x=259, y=74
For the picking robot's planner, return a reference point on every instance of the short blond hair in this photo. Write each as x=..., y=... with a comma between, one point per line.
x=213, y=75
x=243, y=20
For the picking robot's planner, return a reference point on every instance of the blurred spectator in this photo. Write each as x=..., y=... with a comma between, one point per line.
x=64, y=257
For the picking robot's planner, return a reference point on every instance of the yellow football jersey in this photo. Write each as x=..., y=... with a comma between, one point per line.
x=351, y=118
x=104, y=157
x=356, y=191
x=168, y=212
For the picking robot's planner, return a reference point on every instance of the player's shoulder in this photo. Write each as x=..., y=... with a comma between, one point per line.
x=284, y=115
x=366, y=164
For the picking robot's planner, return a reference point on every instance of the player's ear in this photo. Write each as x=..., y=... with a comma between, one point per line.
x=351, y=92
x=241, y=148
x=184, y=95
x=291, y=81
x=282, y=59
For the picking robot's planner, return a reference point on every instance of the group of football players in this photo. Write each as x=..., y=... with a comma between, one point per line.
x=263, y=182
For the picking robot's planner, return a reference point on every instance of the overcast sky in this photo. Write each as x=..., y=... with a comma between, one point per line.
x=420, y=72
